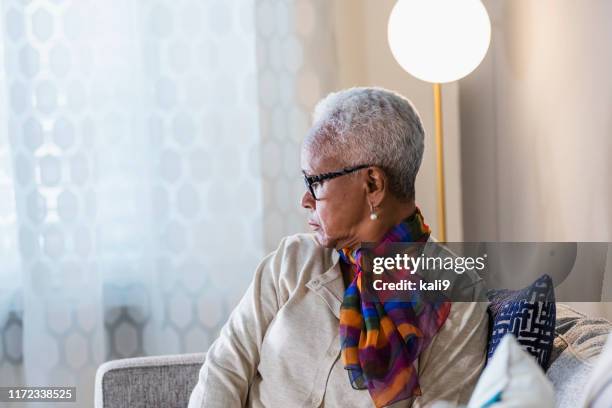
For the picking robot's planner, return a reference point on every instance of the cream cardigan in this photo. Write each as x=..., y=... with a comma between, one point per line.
x=280, y=346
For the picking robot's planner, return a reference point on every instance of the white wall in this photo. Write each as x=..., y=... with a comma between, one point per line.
x=364, y=59
x=536, y=126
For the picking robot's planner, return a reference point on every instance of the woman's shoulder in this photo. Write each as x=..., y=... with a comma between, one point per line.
x=299, y=257
x=301, y=242
x=302, y=248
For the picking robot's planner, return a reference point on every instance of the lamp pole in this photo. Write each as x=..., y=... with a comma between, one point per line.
x=439, y=41
x=437, y=91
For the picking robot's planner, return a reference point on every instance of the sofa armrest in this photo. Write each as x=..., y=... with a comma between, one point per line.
x=147, y=382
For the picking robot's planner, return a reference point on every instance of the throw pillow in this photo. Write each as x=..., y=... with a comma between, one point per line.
x=529, y=314
x=511, y=379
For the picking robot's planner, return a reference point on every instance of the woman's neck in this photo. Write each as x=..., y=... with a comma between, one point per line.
x=390, y=216
x=376, y=230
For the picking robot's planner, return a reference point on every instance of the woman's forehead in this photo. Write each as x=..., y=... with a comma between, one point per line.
x=315, y=162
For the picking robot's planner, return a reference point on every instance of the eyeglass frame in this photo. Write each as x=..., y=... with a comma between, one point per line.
x=318, y=178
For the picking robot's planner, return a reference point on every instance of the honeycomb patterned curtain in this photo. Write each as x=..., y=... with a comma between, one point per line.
x=149, y=158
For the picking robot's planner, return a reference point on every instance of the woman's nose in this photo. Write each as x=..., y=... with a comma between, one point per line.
x=307, y=200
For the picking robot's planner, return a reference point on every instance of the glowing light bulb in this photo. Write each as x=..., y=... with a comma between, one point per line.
x=439, y=40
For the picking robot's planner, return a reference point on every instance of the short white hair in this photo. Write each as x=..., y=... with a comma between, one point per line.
x=371, y=126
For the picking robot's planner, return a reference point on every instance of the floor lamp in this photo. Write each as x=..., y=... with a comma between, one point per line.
x=439, y=41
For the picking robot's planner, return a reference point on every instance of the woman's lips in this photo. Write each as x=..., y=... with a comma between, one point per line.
x=314, y=225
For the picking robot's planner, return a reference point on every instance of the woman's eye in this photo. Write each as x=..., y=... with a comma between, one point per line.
x=316, y=186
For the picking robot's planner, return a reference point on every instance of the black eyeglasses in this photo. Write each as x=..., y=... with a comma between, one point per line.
x=313, y=183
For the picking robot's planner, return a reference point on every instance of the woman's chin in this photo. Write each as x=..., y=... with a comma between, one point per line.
x=324, y=240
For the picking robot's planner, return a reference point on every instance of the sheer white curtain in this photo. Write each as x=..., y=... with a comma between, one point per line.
x=149, y=157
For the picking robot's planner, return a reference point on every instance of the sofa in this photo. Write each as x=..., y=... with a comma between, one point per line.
x=167, y=381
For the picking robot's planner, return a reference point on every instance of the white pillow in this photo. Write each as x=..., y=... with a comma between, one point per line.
x=598, y=389
x=511, y=379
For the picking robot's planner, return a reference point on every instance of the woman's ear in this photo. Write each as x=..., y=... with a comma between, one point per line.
x=376, y=185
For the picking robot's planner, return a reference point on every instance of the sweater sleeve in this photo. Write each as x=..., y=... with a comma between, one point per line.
x=232, y=360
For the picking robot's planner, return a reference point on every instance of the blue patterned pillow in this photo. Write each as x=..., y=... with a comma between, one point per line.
x=529, y=314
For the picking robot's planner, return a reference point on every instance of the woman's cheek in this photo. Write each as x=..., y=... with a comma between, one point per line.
x=327, y=219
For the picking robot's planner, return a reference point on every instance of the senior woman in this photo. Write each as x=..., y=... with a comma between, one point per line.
x=298, y=337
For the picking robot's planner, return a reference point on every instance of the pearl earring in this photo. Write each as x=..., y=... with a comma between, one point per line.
x=373, y=215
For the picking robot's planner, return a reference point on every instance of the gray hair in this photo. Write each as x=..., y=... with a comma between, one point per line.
x=371, y=126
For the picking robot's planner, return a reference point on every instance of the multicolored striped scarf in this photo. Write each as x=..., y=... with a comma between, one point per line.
x=381, y=341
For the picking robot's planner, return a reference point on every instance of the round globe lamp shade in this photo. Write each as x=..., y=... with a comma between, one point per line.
x=439, y=41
